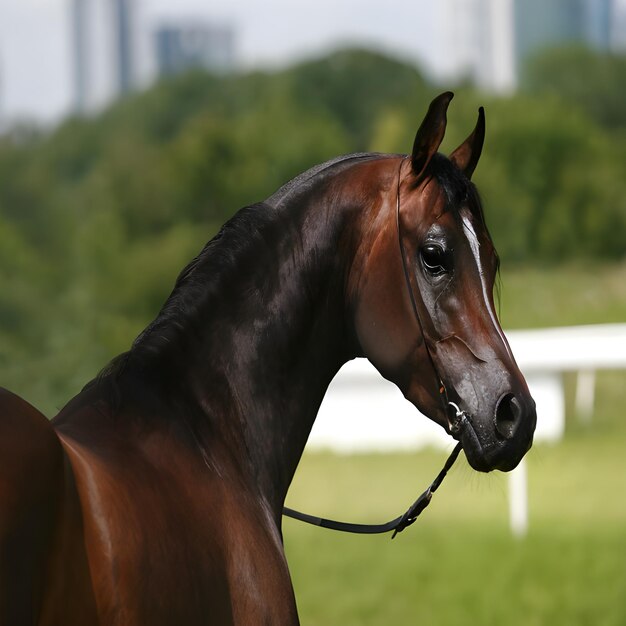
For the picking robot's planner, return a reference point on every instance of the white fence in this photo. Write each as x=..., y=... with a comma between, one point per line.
x=363, y=412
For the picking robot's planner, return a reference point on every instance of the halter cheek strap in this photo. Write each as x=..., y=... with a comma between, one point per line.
x=401, y=522
x=443, y=392
x=407, y=280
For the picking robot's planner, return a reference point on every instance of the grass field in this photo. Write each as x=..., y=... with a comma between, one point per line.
x=459, y=563
x=563, y=296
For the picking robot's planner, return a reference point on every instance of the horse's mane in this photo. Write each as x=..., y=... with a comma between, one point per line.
x=240, y=235
x=302, y=181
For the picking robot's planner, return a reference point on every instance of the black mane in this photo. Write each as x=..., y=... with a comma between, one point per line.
x=241, y=234
x=334, y=165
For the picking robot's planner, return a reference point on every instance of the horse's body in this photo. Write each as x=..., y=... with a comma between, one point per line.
x=155, y=496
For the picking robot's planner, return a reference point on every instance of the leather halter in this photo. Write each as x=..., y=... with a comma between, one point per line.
x=462, y=417
x=401, y=522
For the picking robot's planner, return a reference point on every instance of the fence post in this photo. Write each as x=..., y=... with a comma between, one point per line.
x=518, y=500
x=585, y=395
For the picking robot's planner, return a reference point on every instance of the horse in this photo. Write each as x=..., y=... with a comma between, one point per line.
x=155, y=495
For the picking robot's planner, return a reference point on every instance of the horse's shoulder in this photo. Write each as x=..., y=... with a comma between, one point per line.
x=26, y=435
x=31, y=461
x=12, y=402
x=37, y=519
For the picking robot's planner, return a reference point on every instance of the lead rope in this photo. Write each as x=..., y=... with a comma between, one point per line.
x=398, y=524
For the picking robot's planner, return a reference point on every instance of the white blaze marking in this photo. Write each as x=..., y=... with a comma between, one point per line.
x=474, y=244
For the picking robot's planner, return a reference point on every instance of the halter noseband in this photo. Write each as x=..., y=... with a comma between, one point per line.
x=401, y=522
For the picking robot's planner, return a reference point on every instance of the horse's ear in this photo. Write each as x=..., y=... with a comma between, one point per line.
x=466, y=156
x=430, y=134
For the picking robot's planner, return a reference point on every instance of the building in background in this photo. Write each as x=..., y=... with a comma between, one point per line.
x=487, y=42
x=477, y=37
x=117, y=49
x=597, y=16
x=2, y=122
x=123, y=33
x=80, y=53
x=540, y=25
x=618, y=27
x=183, y=46
x=103, y=42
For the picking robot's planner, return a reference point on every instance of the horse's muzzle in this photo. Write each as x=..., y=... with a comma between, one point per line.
x=499, y=443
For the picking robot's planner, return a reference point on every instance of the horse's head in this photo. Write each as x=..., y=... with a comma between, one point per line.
x=425, y=312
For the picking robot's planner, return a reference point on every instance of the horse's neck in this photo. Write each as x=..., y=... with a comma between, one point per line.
x=276, y=338
x=257, y=328
x=291, y=344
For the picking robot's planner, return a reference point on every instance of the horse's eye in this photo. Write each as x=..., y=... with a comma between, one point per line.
x=435, y=259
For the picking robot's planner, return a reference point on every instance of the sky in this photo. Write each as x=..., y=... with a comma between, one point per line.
x=35, y=53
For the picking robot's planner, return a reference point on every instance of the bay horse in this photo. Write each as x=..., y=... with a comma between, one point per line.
x=155, y=495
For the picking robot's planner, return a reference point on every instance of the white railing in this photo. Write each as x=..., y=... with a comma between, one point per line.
x=363, y=412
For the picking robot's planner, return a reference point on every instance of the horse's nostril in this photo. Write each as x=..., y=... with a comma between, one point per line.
x=508, y=414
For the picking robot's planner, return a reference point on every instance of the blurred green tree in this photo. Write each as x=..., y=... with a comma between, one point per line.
x=594, y=81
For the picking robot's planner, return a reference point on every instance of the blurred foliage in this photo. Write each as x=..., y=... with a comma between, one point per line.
x=98, y=216
x=593, y=82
